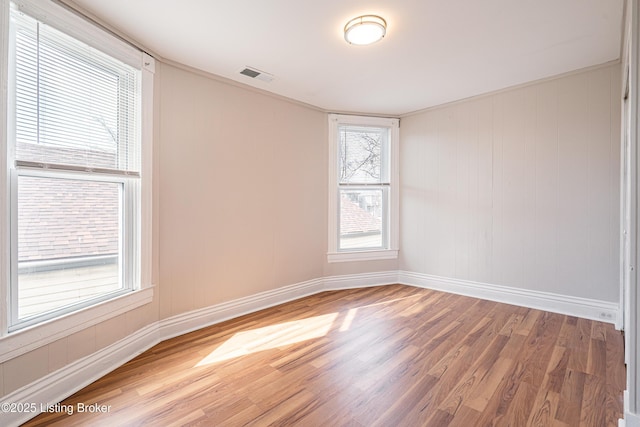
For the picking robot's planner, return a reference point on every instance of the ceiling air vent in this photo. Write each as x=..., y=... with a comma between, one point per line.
x=257, y=74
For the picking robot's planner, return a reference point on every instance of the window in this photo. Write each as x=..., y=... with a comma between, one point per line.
x=78, y=208
x=363, y=176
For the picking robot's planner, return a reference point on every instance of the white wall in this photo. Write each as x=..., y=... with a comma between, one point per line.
x=242, y=192
x=518, y=188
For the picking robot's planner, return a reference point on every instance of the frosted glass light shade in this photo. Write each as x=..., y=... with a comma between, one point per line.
x=365, y=30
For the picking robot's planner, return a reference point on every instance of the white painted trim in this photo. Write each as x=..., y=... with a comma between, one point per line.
x=392, y=226
x=362, y=280
x=362, y=255
x=75, y=26
x=64, y=382
x=60, y=384
x=333, y=201
x=632, y=329
x=630, y=419
x=4, y=170
x=618, y=325
x=145, y=224
x=28, y=339
x=198, y=319
x=574, y=306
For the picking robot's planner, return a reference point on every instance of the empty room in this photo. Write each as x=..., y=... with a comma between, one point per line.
x=337, y=213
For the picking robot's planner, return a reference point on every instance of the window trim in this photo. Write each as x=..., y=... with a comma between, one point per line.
x=4, y=170
x=346, y=255
x=13, y=344
x=76, y=26
x=129, y=205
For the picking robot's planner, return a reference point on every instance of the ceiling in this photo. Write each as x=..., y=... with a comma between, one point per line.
x=435, y=51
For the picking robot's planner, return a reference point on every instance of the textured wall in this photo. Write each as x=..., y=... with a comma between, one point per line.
x=518, y=188
x=242, y=192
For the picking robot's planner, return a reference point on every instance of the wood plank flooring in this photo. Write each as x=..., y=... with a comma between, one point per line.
x=383, y=356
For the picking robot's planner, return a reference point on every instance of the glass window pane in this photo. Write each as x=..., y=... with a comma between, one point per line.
x=69, y=240
x=362, y=155
x=74, y=105
x=361, y=219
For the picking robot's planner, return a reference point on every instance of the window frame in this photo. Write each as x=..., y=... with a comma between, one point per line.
x=390, y=226
x=15, y=341
x=127, y=253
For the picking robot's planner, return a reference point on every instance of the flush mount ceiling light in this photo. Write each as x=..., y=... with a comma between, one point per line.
x=365, y=30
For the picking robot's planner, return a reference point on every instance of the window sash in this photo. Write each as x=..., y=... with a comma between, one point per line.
x=70, y=168
x=388, y=182
x=129, y=259
x=72, y=104
x=384, y=216
x=351, y=138
x=126, y=165
x=358, y=141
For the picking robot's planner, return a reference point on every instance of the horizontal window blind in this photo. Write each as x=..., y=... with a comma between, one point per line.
x=74, y=105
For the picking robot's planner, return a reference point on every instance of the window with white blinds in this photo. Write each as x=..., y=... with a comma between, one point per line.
x=74, y=149
x=75, y=107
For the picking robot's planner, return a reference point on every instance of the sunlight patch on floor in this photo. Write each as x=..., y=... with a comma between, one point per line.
x=269, y=337
x=346, y=323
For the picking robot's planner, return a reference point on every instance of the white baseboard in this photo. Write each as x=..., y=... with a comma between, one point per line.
x=573, y=306
x=198, y=319
x=362, y=280
x=60, y=384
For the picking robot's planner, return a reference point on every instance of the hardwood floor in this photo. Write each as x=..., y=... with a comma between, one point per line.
x=383, y=356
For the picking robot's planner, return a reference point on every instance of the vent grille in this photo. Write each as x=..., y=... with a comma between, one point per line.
x=257, y=74
x=250, y=73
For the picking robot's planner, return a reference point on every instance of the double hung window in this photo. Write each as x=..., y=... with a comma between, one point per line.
x=363, y=195
x=75, y=162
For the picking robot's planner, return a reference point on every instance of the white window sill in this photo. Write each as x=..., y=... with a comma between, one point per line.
x=362, y=255
x=22, y=341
